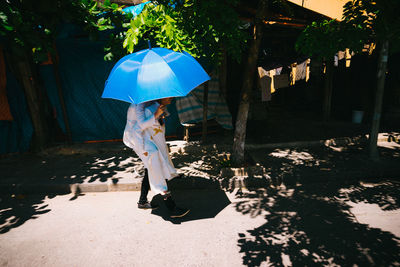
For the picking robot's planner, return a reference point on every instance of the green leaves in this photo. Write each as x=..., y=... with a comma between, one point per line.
x=30, y=27
x=155, y=22
x=321, y=39
x=200, y=28
x=364, y=22
x=378, y=19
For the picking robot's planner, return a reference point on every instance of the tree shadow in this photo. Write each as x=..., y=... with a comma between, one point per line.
x=27, y=179
x=312, y=225
x=308, y=220
x=293, y=166
x=17, y=209
x=202, y=196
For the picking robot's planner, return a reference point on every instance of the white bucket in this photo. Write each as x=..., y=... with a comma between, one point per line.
x=357, y=116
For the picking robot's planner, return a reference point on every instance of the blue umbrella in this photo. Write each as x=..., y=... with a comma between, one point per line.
x=152, y=74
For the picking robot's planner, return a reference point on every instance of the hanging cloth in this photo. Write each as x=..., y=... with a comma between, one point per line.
x=281, y=81
x=266, y=84
x=301, y=71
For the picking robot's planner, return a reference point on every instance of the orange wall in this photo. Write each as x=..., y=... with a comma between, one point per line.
x=330, y=8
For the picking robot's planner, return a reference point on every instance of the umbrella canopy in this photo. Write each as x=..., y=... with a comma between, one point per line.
x=152, y=74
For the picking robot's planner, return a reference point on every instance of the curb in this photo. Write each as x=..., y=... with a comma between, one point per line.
x=230, y=178
x=109, y=186
x=341, y=141
x=239, y=180
x=76, y=188
x=179, y=145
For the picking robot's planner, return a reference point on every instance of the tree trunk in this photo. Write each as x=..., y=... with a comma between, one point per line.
x=61, y=98
x=205, y=111
x=35, y=107
x=376, y=117
x=326, y=109
x=251, y=64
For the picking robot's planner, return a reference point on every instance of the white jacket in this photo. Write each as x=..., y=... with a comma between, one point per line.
x=144, y=134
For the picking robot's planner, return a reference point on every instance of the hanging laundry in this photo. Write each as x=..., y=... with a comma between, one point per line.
x=336, y=60
x=348, y=57
x=301, y=71
x=5, y=113
x=278, y=71
x=341, y=55
x=265, y=83
x=308, y=69
x=281, y=81
x=292, y=77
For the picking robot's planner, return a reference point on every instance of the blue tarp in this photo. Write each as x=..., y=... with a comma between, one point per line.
x=15, y=135
x=83, y=72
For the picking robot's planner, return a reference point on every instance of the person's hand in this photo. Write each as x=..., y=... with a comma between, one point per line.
x=160, y=110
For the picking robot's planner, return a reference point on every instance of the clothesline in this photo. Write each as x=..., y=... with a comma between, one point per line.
x=273, y=79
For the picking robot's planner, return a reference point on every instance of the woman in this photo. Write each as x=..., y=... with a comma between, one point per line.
x=145, y=134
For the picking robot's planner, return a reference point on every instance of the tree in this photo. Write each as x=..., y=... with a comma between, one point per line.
x=364, y=22
x=197, y=27
x=241, y=121
x=207, y=29
x=29, y=29
x=322, y=40
x=379, y=23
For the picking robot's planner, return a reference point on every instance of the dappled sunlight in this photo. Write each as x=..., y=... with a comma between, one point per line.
x=16, y=209
x=293, y=166
x=194, y=170
x=192, y=159
x=385, y=194
x=376, y=217
x=297, y=158
x=59, y=174
x=317, y=224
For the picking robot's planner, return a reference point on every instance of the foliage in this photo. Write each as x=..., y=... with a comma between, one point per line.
x=197, y=27
x=379, y=20
x=32, y=25
x=364, y=22
x=326, y=38
x=320, y=39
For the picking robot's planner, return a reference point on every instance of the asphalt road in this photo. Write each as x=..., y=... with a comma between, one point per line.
x=310, y=225
x=107, y=229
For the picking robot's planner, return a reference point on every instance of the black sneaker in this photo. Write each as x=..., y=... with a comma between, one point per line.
x=178, y=212
x=146, y=205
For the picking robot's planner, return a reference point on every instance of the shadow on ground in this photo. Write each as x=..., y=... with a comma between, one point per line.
x=205, y=203
x=293, y=166
x=200, y=164
x=26, y=180
x=15, y=210
x=311, y=225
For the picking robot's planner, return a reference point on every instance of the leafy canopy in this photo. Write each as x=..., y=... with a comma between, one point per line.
x=364, y=22
x=199, y=27
x=32, y=25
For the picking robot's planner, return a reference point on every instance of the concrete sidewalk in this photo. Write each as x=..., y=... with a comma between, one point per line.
x=107, y=167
